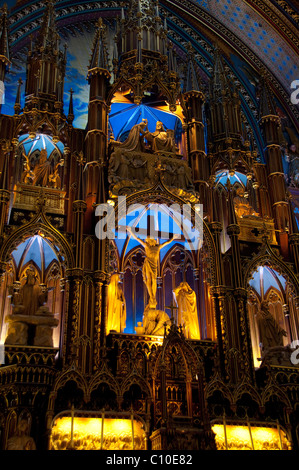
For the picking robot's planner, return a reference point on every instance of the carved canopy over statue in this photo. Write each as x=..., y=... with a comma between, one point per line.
x=271, y=334
x=116, y=318
x=187, y=310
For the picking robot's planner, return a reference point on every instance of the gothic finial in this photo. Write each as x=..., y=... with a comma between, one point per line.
x=99, y=57
x=70, y=116
x=193, y=80
x=47, y=36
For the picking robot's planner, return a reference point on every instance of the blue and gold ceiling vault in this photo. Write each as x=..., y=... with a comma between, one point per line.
x=255, y=36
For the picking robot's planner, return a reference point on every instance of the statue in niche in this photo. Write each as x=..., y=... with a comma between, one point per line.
x=242, y=206
x=54, y=179
x=116, y=318
x=28, y=175
x=161, y=140
x=29, y=310
x=170, y=174
x=271, y=334
x=42, y=170
x=30, y=297
x=21, y=440
x=187, y=310
x=150, y=265
x=135, y=140
x=139, y=168
x=184, y=178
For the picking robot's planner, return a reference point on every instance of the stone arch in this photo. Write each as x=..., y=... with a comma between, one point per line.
x=37, y=225
x=64, y=379
x=268, y=257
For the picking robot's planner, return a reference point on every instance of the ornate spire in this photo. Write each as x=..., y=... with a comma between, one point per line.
x=71, y=116
x=219, y=82
x=99, y=56
x=192, y=79
x=142, y=58
x=48, y=37
x=46, y=80
x=266, y=101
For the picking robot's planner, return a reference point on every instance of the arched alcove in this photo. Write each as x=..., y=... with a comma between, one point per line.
x=35, y=265
x=271, y=289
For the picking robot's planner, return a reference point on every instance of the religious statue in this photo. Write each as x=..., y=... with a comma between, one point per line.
x=161, y=140
x=54, y=179
x=28, y=175
x=135, y=140
x=21, y=440
x=31, y=296
x=139, y=167
x=242, y=206
x=184, y=178
x=150, y=266
x=116, y=318
x=271, y=334
x=187, y=310
x=28, y=308
x=42, y=170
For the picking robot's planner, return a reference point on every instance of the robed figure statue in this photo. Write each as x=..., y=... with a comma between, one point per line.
x=187, y=310
x=116, y=318
x=271, y=334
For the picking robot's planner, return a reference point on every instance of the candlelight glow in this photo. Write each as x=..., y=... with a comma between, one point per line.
x=238, y=438
x=87, y=434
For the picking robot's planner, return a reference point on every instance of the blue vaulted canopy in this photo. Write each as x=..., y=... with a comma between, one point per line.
x=124, y=115
x=40, y=142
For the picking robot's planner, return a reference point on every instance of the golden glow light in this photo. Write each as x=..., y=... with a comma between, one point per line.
x=238, y=438
x=87, y=434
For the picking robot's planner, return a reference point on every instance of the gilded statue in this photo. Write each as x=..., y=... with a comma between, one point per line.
x=242, y=206
x=187, y=310
x=150, y=267
x=54, y=179
x=21, y=440
x=271, y=334
x=116, y=318
x=28, y=175
x=161, y=140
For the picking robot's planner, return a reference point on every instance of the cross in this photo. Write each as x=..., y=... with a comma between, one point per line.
x=256, y=232
x=171, y=308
